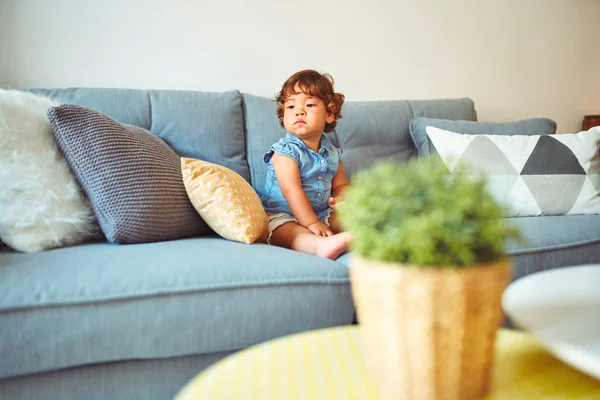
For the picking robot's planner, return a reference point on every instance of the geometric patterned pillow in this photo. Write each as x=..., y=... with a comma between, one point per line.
x=225, y=200
x=530, y=175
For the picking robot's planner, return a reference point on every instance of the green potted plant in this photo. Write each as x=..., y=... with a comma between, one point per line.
x=428, y=270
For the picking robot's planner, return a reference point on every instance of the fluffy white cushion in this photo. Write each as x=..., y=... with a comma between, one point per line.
x=41, y=205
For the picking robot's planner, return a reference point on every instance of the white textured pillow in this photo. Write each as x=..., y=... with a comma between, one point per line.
x=41, y=204
x=530, y=175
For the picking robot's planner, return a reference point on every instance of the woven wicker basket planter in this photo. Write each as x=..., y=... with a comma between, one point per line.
x=429, y=333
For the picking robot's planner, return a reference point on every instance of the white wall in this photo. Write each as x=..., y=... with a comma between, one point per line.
x=514, y=58
x=5, y=49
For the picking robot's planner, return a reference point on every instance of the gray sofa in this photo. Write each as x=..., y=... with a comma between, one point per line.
x=107, y=321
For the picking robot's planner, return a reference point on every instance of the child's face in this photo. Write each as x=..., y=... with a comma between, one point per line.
x=305, y=116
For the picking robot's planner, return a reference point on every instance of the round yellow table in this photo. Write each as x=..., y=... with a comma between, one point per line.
x=328, y=364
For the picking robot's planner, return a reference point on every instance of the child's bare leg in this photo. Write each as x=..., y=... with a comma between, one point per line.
x=296, y=237
x=334, y=223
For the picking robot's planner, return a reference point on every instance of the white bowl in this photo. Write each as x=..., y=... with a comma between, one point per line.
x=561, y=308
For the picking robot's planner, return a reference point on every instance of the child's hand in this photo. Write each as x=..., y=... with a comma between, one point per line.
x=319, y=229
x=334, y=203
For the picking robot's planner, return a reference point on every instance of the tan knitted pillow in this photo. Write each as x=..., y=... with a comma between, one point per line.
x=225, y=201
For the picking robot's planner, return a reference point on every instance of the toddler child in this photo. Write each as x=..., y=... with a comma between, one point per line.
x=305, y=177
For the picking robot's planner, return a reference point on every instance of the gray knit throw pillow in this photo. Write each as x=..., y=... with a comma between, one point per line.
x=131, y=176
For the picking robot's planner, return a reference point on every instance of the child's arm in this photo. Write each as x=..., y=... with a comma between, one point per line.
x=338, y=187
x=288, y=177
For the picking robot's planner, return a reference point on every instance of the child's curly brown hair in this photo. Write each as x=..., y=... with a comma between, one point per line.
x=315, y=84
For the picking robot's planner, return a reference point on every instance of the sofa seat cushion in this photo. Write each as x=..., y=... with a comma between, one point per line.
x=558, y=240
x=554, y=232
x=104, y=302
x=552, y=241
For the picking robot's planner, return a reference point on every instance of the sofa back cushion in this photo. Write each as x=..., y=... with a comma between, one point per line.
x=371, y=131
x=262, y=130
x=531, y=126
x=368, y=131
x=201, y=125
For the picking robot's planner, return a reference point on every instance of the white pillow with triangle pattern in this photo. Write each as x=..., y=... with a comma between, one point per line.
x=530, y=175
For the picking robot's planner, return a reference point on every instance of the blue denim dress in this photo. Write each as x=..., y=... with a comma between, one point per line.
x=317, y=171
